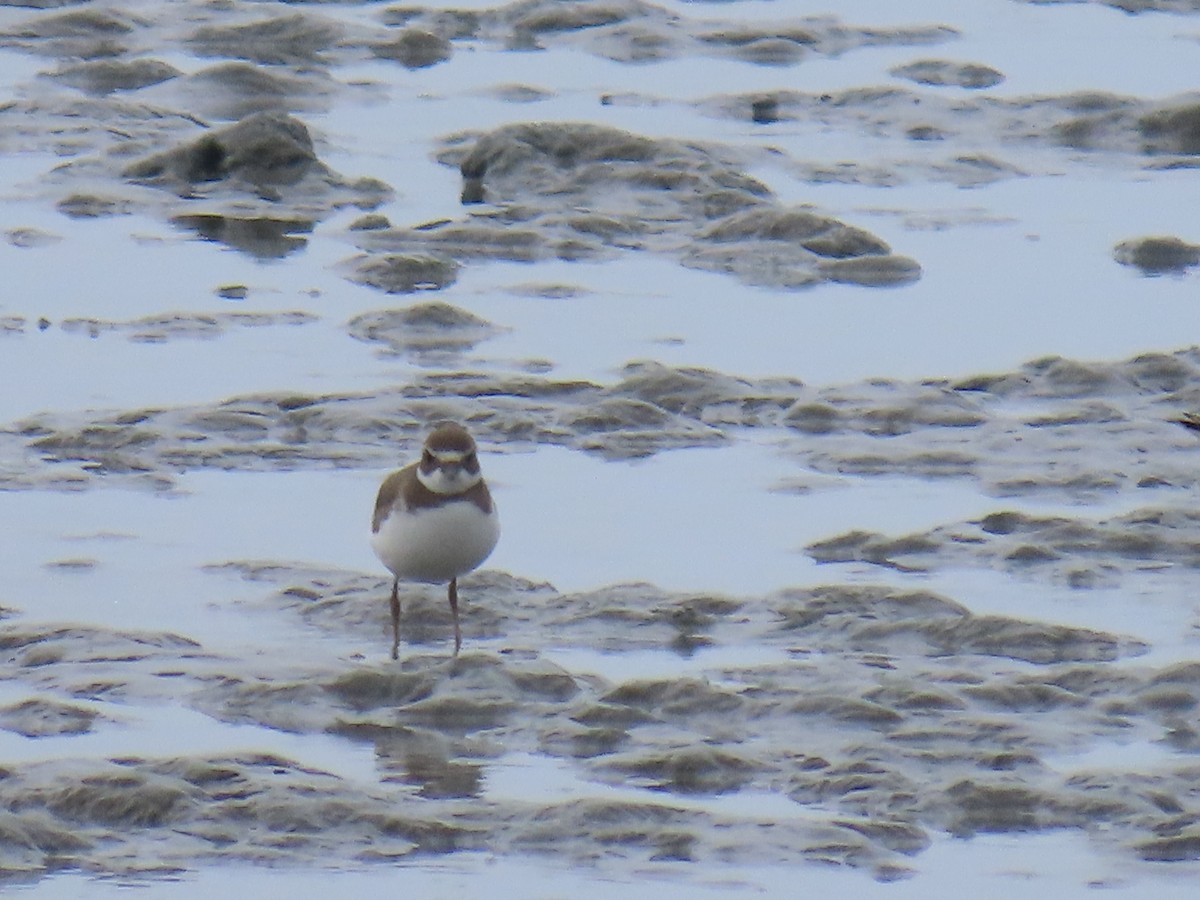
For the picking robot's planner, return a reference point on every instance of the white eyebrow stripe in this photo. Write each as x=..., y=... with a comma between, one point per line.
x=448, y=456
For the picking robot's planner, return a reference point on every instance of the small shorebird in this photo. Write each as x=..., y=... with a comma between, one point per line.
x=434, y=520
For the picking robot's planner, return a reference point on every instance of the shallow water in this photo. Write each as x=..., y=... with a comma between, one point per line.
x=836, y=607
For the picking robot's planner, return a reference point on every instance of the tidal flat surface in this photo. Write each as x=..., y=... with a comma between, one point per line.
x=826, y=364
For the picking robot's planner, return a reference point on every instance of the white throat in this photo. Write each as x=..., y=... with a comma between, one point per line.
x=456, y=481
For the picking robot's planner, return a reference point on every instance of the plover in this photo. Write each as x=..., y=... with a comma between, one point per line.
x=435, y=520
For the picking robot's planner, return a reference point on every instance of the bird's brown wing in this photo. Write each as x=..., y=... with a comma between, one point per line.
x=392, y=489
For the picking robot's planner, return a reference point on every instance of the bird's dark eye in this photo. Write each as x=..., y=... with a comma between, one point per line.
x=427, y=458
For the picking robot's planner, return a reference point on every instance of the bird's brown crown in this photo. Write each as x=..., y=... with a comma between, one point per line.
x=450, y=437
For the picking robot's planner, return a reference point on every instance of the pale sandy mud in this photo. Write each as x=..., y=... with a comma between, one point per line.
x=887, y=714
x=863, y=719
x=880, y=714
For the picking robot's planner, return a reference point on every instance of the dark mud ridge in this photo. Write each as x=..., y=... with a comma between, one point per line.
x=1075, y=551
x=884, y=715
x=1113, y=128
x=1055, y=428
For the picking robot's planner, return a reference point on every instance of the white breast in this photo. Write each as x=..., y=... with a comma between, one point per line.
x=435, y=545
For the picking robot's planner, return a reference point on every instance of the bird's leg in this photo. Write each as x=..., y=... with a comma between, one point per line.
x=395, y=604
x=453, y=591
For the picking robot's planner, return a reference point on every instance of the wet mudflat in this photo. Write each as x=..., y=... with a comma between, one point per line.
x=845, y=539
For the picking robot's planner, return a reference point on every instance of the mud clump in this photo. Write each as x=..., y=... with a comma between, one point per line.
x=365, y=690
x=295, y=39
x=747, y=242
x=415, y=48
x=1175, y=848
x=107, y=76
x=1104, y=122
x=526, y=158
x=820, y=234
x=674, y=699
x=118, y=800
x=1172, y=130
x=40, y=717
x=871, y=271
x=266, y=155
x=263, y=150
x=940, y=73
x=84, y=34
x=1158, y=255
x=404, y=273
x=234, y=90
x=93, y=206
x=688, y=771
x=427, y=331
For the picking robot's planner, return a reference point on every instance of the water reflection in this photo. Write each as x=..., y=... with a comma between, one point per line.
x=262, y=238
